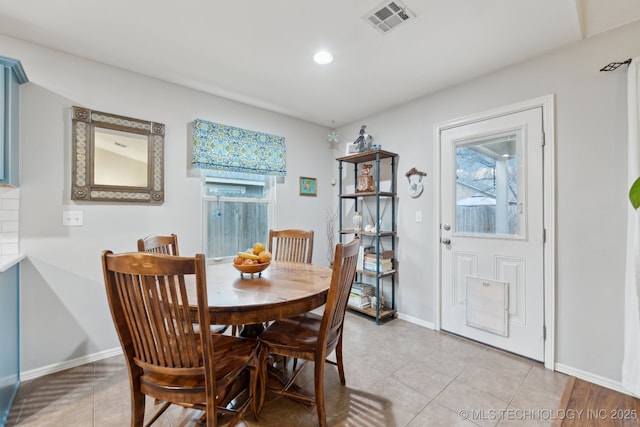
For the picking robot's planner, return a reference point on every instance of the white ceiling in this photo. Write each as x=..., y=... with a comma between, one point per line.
x=260, y=52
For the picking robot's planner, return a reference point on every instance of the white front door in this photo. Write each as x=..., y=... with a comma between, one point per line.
x=492, y=232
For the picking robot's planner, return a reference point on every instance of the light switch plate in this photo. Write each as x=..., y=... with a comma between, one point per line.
x=418, y=216
x=72, y=218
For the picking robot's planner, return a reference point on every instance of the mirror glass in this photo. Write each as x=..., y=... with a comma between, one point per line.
x=116, y=158
x=120, y=158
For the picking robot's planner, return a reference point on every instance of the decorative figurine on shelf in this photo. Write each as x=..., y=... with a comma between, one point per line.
x=365, y=181
x=364, y=140
x=357, y=221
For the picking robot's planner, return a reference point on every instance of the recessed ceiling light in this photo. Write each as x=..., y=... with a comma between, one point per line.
x=323, y=57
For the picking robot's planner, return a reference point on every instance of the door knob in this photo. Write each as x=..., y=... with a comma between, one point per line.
x=445, y=241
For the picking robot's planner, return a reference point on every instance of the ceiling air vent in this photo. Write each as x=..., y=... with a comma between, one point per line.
x=388, y=15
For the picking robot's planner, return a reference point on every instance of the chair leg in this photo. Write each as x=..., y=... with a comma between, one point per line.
x=338, y=352
x=211, y=416
x=137, y=404
x=319, y=387
x=262, y=357
x=254, y=379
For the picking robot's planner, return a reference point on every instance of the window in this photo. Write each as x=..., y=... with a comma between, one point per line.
x=239, y=167
x=487, y=185
x=238, y=211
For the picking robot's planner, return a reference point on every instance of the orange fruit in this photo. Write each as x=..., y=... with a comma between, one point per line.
x=258, y=247
x=265, y=256
x=237, y=260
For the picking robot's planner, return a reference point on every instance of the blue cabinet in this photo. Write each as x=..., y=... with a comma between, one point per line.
x=9, y=340
x=11, y=77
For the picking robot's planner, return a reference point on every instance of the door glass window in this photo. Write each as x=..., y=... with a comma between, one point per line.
x=487, y=196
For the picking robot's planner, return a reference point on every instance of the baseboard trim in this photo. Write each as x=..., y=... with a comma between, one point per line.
x=68, y=364
x=416, y=321
x=593, y=378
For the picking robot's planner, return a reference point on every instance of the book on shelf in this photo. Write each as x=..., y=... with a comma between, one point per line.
x=359, y=301
x=372, y=266
x=372, y=256
x=361, y=253
x=362, y=289
x=372, y=260
x=360, y=295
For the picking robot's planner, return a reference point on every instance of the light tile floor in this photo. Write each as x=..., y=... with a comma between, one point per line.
x=398, y=375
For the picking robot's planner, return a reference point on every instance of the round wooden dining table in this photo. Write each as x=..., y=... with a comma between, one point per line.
x=284, y=289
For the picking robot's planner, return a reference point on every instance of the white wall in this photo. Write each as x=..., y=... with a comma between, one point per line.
x=64, y=314
x=591, y=189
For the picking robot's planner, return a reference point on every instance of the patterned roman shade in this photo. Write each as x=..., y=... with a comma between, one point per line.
x=228, y=148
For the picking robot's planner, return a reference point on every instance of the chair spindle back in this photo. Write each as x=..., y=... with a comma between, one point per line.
x=291, y=245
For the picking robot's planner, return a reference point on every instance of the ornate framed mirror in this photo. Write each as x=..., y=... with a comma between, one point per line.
x=116, y=158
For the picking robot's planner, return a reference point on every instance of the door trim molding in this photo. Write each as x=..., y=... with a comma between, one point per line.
x=547, y=103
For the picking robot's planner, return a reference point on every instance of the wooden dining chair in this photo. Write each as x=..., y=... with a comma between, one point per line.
x=291, y=245
x=313, y=337
x=168, y=245
x=161, y=314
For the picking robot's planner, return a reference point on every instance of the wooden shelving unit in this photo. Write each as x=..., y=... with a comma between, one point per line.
x=378, y=279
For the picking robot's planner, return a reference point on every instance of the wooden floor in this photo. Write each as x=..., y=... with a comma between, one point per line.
x=587, y=404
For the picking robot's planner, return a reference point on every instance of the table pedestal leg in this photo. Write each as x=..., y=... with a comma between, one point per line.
x=252, y=331
x=277, y=379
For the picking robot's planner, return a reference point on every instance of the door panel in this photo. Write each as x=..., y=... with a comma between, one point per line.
x=511, y=270
x=492, y=215
x=466, y=265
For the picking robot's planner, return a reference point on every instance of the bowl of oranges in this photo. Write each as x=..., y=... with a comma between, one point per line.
x=252, y=261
